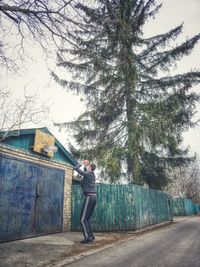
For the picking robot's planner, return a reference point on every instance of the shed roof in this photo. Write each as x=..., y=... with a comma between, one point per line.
x=23, y=139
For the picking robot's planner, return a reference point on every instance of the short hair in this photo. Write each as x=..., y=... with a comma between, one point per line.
x=93, y=166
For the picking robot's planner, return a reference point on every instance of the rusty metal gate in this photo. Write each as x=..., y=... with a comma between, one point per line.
x=31, y=198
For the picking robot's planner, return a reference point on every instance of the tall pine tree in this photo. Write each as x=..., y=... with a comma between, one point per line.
x=136, y=112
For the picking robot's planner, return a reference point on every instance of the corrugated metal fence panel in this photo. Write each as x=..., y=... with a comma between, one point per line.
x=123, y=207
x=189, y=207
x=197, y=208
x=77, y=202
x=179, y=207
x=152, y=207
x=184, y=207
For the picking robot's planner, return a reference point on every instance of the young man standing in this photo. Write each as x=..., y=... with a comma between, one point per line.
x=88, y=185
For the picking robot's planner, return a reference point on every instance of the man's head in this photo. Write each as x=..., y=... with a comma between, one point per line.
x=92, y=167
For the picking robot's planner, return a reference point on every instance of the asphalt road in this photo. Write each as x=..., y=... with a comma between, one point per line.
x=175, y=246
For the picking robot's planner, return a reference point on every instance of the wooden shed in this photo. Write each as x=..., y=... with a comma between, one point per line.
x=35, y=184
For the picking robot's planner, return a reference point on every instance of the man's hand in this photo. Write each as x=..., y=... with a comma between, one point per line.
x=86, y=162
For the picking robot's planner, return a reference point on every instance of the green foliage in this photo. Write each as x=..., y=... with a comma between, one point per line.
x=136, y=112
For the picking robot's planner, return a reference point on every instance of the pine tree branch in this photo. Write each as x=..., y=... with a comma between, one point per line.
x=159, y=41
x=175, y=82
x=162, y=59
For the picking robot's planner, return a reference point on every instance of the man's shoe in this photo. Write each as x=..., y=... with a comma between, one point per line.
x=86, y=241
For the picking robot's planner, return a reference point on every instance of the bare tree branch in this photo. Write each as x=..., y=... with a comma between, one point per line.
x=186, y=182
x=47, y=22
x=15, y=114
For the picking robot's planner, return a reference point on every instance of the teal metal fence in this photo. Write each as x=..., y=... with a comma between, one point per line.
x=196, y=209
x=123, y=207
x=184, y=207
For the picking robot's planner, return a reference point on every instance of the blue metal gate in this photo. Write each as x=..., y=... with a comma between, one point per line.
x=31, y=199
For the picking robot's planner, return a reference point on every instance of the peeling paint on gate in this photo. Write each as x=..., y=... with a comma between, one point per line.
x=31, y=198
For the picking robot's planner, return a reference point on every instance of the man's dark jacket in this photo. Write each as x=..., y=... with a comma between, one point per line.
x=88, y=182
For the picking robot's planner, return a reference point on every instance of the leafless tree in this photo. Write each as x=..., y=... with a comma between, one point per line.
x=186, y=182
x=16, y=113
x=42, y=20
x=24, y=23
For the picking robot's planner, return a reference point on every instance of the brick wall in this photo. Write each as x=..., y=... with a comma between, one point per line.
x=48, y=163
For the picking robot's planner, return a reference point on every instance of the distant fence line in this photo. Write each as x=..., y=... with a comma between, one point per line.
x=123, y=207
x=185, y=207
x=130, y=207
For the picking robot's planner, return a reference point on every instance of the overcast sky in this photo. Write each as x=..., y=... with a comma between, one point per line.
x=66, y=107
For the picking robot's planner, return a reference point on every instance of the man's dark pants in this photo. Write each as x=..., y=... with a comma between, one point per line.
x=87, y=211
